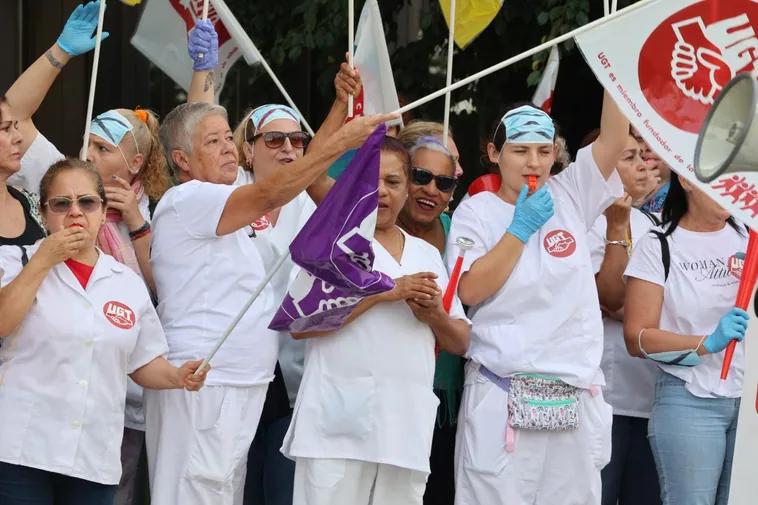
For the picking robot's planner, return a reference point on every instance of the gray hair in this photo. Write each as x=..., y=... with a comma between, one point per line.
x=432, y=144
x=178, y=128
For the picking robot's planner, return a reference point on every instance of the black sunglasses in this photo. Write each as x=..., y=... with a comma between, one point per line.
x=275, y=140
x=422, y=177
x=62, y=205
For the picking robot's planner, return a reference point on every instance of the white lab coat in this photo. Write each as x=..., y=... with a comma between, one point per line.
x=546, y=320
x=64, y=370
x=629, y=381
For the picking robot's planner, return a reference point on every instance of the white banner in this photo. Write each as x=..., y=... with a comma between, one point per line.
x=664, y=64
x=162, y=37
x=543, y=95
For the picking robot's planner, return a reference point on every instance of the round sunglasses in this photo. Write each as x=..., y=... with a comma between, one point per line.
x=62, y=205
x=275, y=140
x=422, y=177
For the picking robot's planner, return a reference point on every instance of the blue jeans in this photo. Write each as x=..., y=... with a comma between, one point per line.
x=21, y=485
x=692, y=440
x=270, y=476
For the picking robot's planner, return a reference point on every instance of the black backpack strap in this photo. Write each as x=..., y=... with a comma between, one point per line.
x=24, y=256
x=665, y=253
x=652, y=217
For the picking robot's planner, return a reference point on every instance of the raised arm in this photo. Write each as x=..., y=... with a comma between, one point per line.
x=249, y=202
x=614, y=130
x=27, y=93
x=346, y=83
x=610, y=283
x=203, y=40
x=18, y=296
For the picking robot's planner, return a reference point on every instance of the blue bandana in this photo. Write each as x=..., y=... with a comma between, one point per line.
x=111, y=127
x=264, y=114
x=528, y=125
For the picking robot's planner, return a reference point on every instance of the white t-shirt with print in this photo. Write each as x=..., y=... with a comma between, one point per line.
x=629, y=381
x=203, y=282
x=700, y=289
x=546, y=318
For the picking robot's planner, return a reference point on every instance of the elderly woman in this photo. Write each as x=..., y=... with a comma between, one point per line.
x=75, y=322
x=206, y=267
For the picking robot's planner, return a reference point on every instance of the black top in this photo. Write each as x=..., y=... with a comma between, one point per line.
x=32, y=230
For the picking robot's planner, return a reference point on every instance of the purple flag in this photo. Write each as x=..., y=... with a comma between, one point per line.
x=334, y=250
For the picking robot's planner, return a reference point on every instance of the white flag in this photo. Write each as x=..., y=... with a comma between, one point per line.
x=162, y=37
x=372, y=59
x=543, y=96
x=666, y=73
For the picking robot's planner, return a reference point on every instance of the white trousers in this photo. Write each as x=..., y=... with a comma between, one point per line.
x=197, y=443
x=354, y=482
x=546, y=468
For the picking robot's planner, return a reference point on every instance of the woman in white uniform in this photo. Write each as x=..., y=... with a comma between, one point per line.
x=206, y=267
x=533, y=427
x=630, y=477
x=75, y=323
x=682, y=283
x=362, y=428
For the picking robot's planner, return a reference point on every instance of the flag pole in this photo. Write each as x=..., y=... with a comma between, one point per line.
x=614, y=6
x=93, y=80
x=449, y=77
x=206, y=4
x=526, y=54
x=606, y=7
x=282, y=259
x=252, y=54
x=351, y=48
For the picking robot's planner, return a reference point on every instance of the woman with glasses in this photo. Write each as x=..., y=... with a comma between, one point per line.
x=75, y=323
x=534, y=428
x=682, y=281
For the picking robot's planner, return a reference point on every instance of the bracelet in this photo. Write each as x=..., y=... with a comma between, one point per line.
x=53, y=60
x=622, y=243
x=700, y=343
x=140, y=232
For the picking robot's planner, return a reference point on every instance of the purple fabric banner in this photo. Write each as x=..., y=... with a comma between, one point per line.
x=334, y=249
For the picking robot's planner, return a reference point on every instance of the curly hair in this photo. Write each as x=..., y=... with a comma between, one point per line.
x=153, y=174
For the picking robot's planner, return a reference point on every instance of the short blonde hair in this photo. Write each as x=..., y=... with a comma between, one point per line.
x=417, y=129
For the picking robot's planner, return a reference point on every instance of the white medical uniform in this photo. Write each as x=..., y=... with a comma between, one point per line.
x=37, y=159
x=197, y=444
x=272, y=241
x=63, y=373
x=629, y=381
x=365, y=413
x=545, y=320
x=700, y=289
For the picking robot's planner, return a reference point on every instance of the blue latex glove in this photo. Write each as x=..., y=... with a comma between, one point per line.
x=732, y=326
x=203, y=40
x=78, y=36
x=531, y=213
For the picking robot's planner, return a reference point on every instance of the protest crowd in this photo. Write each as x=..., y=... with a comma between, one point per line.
x=575, y=360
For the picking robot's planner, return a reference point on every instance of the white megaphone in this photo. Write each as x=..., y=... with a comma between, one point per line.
x=728, y=140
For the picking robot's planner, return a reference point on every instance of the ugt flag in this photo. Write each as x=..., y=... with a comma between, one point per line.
x=334, y=250
x=543, y=95
x=666, y=73
x=162, y=33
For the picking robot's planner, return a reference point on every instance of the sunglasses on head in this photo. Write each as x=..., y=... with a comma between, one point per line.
x=62, y=205
x=422, y=177
x=275, y=140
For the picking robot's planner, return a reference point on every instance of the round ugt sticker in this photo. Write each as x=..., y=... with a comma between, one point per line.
x=120, y=315
x=560, y=243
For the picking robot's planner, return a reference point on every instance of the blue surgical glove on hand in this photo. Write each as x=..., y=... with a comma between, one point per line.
x=531, y=213
x=203, y=40
x=78, y=36
x=732, y=326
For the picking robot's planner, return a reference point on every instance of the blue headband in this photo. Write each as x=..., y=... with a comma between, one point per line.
x=528, y=125
x=111, y=127
x=265, y=114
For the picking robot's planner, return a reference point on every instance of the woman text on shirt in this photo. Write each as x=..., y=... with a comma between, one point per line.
x=20, y=223
x=379, y=435
x=681, y=316
x=630, y=476
x=77, y=323
x=534, y=308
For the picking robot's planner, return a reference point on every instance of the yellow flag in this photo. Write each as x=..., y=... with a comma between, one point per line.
x=471, y=18
x=131, y=2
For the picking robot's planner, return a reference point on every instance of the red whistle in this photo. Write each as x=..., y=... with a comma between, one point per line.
x=532, y=183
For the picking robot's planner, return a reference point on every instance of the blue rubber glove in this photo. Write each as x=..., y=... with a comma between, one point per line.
x=531, y=213
x=78, y=36
x=732, y=326
x=203, y=40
